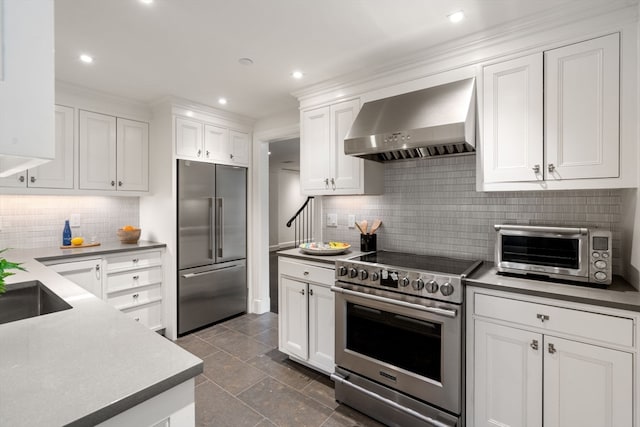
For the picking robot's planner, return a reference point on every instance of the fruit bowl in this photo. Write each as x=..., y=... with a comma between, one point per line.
x=128, y=235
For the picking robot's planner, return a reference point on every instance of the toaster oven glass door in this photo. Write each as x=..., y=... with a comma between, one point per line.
x=544, y=251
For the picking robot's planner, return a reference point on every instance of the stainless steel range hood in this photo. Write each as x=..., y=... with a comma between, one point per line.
x=437, y=121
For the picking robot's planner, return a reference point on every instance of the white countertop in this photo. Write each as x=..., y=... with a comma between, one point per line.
x=83, y=365
x=328, y=259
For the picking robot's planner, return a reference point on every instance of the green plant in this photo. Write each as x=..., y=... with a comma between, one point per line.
x=4, y=266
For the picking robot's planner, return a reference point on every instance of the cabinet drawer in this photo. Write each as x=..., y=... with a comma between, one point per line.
x=149, y=315
x=135, y=297
x=134, y=278
x=306, y=272
x=133, y=260
x=592, y=326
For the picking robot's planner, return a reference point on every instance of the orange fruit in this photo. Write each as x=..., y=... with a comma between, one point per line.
x=128, y=228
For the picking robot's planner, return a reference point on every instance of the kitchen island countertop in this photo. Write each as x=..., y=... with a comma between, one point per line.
x=620, y=294
x=84, y=365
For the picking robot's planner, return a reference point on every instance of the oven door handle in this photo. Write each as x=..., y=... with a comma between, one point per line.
x=430, y=421
x=435, y=310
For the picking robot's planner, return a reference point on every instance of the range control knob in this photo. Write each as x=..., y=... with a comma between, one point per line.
x=600, y=264
x=374, y=276
x=353, y=272
x=417, y=284
x=432, y=286
x=342, y=271
x=404, y=282
x=446, y=289
x=363, y=274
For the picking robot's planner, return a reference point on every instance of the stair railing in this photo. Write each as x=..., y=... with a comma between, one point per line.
x=302, y=222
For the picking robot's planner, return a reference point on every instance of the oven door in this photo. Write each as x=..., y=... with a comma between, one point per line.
x=402, y=342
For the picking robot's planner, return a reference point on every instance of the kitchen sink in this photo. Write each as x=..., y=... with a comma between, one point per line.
x=29, y=299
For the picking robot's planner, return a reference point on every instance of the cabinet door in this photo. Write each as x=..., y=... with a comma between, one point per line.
x=512, y=137
x=216, y=143
x=507, y=377
x=315, y=152
x=321, y=327
x=188, y=138
x=293, y=318
x=58, y=173
x=87, y=274
x=586, y=385
x=97, y=151
x=582, y=91
x=132, y=155
x=239, y=148
x=347, y=170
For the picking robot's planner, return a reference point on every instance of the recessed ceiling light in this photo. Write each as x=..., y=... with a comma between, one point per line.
x=87, y=59
x=245, y=61
x=222, y=101
x=269, y=152
x=456, y=16
x=146, y=1
x=297, y=75
x=189, y=113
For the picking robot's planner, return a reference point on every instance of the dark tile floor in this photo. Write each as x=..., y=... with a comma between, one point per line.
x=248, y=382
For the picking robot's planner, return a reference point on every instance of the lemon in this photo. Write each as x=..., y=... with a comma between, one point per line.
x=76, y=241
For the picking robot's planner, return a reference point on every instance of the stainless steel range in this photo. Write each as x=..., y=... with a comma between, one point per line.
x=399, y=340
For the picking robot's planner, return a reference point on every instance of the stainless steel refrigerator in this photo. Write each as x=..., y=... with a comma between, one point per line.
x=212, y=243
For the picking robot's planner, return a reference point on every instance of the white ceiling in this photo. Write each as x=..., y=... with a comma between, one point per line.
x=190, y=48
x=285, y=155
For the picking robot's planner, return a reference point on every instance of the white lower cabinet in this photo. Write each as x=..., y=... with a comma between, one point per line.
x=86, y=273
x=133, y=284
x=306, y=320
x=533, y=376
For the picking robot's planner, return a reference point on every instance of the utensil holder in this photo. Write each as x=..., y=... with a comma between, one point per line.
x=368, y=242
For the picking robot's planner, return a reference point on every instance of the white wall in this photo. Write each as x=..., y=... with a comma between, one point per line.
x=284, y=200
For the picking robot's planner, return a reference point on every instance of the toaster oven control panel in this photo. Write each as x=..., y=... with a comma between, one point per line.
x=600, y=257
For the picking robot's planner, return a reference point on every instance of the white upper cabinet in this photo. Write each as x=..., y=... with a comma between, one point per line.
x=57, y=173
x=208, y=142
x=188, y=138
x=324, y=168
x=553, y=116
x=582, y=99
x=513, y=147
x=132, y=155
x=114, y=153
x=26, y=84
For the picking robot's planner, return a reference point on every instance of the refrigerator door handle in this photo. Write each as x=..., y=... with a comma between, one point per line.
x=202, y=273
x=219, y=226
x=211, y=230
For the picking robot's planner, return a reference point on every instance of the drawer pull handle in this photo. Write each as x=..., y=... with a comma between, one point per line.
x=135, y=296
x=137, y=319
x=135, y=260
x=552, y=348
x=311, y=292
x=136, y=277
x=302, y=292
x=542, y=317
x=534, y=344
x=306, y=273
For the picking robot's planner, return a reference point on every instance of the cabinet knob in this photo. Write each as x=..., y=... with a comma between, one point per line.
x=310, y=292
x=306, y=273
x=199, y=153
x=135, y=260
x=536, y=168
x=137, y=319
x=333, y=184
x=136, y=277
x=119, y=183
x=231, y=156
x=207, y=153
x=551, y=167
x=113, y=183
x=326, y=182
x=21, y=178
x=552, y=348
x=302, y=292
x=33, y=179
x=534, y=344
x=542, y=317
x=135, y=296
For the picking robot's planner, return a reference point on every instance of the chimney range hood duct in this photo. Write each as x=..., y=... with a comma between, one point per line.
x=437, y=121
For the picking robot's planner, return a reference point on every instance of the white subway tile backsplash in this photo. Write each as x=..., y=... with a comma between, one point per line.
x=37, y=221
x=430, y=206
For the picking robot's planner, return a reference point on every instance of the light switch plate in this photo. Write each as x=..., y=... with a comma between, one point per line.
x=352, y=221
x=332, y=220
x=74, y=220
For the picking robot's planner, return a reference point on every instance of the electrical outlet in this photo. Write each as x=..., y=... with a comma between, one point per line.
x=74, y=220
x=352, y=221
x=332, y=220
